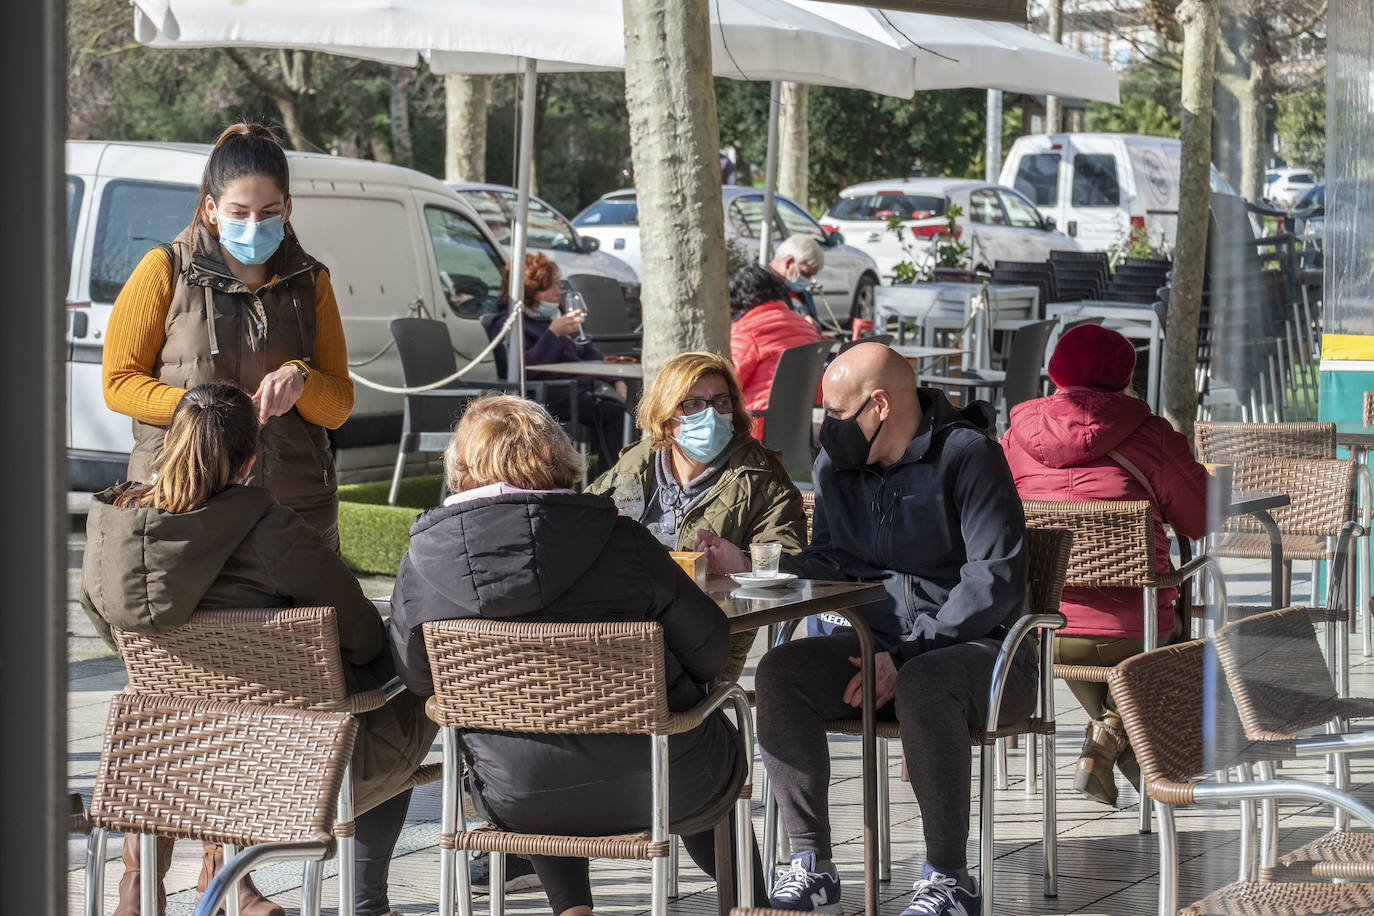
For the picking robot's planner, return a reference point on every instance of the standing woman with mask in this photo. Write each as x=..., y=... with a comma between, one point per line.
x=235, y=298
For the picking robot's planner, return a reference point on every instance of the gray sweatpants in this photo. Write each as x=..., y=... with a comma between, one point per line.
x=941, y=695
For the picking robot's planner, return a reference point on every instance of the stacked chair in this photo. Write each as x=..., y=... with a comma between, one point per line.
x=1081, y=272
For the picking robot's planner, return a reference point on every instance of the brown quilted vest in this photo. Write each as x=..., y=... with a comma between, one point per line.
x=219, y=330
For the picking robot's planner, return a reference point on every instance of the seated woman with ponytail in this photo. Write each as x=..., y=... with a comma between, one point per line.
x=192, y=537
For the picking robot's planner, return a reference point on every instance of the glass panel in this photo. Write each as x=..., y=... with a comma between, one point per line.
x=884, y=205
x=617, y=211
x=135, y=216
x=76, y=190
x=796, y=222
x=746, y=216
x=491, y=211
x=1094, y=181
x=1019, y=212
x=547, y=229
x=469, y=267
x=1037, y=177
x=984, y=208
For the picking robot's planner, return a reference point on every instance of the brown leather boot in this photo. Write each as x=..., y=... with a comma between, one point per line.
x=1093, y=775
x=251, y=900
x=129, y=884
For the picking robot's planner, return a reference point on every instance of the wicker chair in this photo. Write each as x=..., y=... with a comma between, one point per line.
x=1228, y=443
x=1282, y=687
x=265, y=778
x=568, y=679
x=264, y=656
x=808, y=509
x=1114, y=547
x=1322, y=494
x=1369, y=408
x=1161, y=698
x=1048, y=558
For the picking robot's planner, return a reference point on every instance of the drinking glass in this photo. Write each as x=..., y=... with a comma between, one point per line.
x=572, y=302
x=765, y=557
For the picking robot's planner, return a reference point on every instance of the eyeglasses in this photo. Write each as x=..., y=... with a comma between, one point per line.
x=723, y=403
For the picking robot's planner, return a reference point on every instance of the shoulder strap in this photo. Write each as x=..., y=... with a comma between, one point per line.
x=1135, y=472
x=174, y=257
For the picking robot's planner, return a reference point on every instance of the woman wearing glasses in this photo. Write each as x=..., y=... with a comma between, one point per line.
x=697, y=468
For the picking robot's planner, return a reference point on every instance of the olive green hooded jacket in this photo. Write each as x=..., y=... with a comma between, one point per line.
x=148, y=570
x=753, y=500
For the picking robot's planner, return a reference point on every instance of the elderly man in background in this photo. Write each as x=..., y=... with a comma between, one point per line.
x=912, y=493
x=796, y=261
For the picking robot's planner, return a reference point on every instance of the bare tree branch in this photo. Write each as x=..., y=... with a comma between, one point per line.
x=265, y=86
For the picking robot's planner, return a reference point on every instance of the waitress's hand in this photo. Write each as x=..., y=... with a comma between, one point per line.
x=278, y=392
x=567, y=324
x=622, y=389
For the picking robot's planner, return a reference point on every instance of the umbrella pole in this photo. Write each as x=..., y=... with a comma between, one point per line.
x=770, y=171
x=520, y=226
x=994, y=152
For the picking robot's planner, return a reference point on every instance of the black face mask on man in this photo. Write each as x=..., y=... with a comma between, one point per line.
x=844, y=440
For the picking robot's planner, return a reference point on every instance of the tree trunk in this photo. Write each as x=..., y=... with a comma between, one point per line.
x=674, y=139
x=794, y=143
x=401, y=151
x=1199, y=21
x=1054, y=106
x=1254, y=133
x=465, y=127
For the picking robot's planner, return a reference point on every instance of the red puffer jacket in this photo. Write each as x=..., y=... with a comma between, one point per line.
x=1057, y=449
x=757, y=339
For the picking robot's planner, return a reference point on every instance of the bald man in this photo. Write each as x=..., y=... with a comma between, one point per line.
x=913, y=493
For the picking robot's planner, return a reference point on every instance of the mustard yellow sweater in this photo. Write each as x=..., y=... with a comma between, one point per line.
x=137, y=331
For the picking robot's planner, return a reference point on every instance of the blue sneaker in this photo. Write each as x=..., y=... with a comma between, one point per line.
x=938, y=894
x=805, y=890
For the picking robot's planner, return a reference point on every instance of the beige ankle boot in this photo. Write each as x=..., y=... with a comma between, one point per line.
x=251, y=900
x=130, y=884
x=1093, y=774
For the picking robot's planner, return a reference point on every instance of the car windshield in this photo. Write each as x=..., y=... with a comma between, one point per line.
x=884, y=205
x=1300, y=178
x=1315, y=196
x=612, y=211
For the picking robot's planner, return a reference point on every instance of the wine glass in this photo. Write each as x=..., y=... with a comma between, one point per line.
x=572, y=302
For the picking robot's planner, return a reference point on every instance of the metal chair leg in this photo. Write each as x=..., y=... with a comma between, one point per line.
x=312, y=888
x=496, y=886
x=449, y=863
x=674, y=866
x=347, y=848
x=1150, y=639
x=147, y=859
x=987, y=758
x=95, y=871
x=770, y=836
x=1003, y=781
x=231, y=902
x=1032, y=776
x=1049, y=813
x=396, y=477
x=884, y=815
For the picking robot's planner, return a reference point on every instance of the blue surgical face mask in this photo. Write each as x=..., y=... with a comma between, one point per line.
x=251, y=242
x=547, y=310
x=704, y=434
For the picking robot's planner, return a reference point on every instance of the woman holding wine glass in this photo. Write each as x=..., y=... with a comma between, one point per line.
x=553, y=334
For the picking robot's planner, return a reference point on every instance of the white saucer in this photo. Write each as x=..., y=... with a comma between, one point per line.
x=749, y=580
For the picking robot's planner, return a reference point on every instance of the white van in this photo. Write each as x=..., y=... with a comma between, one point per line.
x=1097, y=187
x=396, y=243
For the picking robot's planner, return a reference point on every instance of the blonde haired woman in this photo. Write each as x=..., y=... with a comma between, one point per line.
x=698, y=469
x=514, y=542
x=195, y=537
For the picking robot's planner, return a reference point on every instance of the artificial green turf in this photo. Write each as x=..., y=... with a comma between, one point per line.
x=374, y=536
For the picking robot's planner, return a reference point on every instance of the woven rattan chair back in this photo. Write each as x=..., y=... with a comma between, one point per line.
x=1113, y=542
x=1369, y=408
x=1228, y=443
x=272, y=656
x=549, y=678
x=1277, y=673
x=1322, y=494
x=808, y=509
x=1159, y=696
x=222, y=772
x=1048, y=552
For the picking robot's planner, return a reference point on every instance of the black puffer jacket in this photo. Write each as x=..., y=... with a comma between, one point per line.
x=560, y=558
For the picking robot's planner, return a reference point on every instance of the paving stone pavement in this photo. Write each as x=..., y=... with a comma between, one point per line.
x=1105, y=866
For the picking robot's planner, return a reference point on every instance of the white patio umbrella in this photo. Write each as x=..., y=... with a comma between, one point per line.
x=950, y=53
x=751, y=39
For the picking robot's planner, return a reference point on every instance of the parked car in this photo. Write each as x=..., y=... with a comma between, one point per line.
x=1098, y=188
x=843, y=289
x=549, y=232
x=396, y=242
x=1284, y=186
x=997, y=224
